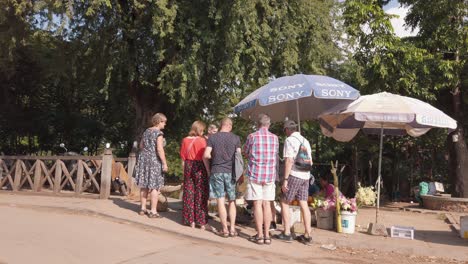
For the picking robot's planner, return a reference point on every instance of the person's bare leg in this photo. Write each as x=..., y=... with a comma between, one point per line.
x=232, y=216
x=306, y=217
x=266, y=218
x=143, y=197
x=273, y=211
x=222, y=214
x=285, y=217
x=258, y=215
x=154, y=201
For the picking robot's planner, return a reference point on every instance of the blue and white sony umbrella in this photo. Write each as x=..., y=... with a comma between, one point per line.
x=297, y=97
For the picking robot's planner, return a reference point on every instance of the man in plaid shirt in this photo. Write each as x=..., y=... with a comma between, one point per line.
x=261, y=151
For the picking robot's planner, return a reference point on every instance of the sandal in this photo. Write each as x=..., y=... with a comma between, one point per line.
x=233, y=234
x=257, y=239
x=223, y=234
x=267, y=241
x=153, y=215
x=142, y=212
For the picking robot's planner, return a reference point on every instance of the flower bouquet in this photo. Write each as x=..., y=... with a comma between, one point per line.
x=365, y=195
x=319, y=202
x=349, y=205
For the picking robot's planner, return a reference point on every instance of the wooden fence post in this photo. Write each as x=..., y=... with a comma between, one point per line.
x=106, y=174
x=130, y=169
x=37, y=176
x=79, y=177
x=58, y=176
x=18, y=173
x=1, y=170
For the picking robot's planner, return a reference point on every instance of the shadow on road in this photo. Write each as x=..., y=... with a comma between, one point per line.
x=173, y=212
x=440, y=237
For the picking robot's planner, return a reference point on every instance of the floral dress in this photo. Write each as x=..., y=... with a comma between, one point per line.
x=196, y=184
x=148, y=170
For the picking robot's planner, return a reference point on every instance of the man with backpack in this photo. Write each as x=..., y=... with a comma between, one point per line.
x=298, y=163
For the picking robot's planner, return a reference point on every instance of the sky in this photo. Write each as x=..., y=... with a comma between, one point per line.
x=398, y=23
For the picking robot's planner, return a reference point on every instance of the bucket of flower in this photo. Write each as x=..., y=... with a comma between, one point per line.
x=324, y=212
x=348, y=214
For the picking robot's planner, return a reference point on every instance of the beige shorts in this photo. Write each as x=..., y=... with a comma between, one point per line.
x=256, y=191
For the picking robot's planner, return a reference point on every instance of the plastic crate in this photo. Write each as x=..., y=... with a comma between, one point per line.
x=402, y=232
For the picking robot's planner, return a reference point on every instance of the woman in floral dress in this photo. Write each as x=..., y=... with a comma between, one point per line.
x=196, y=186
x=151, y=165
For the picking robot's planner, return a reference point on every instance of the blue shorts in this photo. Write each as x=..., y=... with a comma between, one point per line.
x=222, y=184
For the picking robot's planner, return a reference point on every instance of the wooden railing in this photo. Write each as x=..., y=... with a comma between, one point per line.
x=76, y=175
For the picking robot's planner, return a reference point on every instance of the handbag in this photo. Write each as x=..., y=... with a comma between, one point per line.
x=237, y=166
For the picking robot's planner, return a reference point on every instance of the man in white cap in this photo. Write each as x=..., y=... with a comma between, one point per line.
x=296, y=180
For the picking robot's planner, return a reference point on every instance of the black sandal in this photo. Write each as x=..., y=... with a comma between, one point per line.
x=256, y=239
x=267, y=241
x=153, y=215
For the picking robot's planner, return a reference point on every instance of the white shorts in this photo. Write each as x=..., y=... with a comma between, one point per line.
x=256, y=191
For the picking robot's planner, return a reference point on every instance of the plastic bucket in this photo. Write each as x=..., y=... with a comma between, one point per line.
x=348, y=222
x=464, y=227
x=325, y=219
x=295, y=215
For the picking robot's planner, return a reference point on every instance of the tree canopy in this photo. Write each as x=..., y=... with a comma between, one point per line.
x=89, y=72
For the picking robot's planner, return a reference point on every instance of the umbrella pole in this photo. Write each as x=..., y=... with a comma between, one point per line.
x=298, y=117
x=379, y=176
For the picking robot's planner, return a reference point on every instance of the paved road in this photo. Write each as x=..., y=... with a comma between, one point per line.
x=30, y=236
x=58, y=230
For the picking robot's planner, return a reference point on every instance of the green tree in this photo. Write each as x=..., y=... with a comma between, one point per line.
x=443, y=25
x=415, y=66
x=103, y=67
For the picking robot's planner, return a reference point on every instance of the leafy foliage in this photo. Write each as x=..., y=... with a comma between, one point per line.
x=89, y=72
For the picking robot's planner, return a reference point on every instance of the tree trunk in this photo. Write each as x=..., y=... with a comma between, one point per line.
x=147, y=102
x=458, y=152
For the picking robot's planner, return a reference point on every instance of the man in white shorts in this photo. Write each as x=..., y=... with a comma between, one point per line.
x=261, y=151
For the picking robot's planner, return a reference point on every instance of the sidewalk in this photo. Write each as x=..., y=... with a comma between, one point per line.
x=433, y=237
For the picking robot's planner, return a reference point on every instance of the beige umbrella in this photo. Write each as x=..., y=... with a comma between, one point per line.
x=385, y=114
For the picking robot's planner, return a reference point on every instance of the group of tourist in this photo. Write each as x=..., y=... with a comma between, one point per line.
x=208, y=174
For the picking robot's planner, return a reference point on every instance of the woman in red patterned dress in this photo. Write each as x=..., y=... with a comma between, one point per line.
x=196, y=184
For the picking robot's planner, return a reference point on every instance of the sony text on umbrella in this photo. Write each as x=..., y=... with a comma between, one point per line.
x=290, y=94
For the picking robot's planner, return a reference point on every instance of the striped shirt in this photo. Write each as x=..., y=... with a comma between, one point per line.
x=261, y=151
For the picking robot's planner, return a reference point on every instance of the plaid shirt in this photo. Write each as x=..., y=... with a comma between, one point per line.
x=261, y=151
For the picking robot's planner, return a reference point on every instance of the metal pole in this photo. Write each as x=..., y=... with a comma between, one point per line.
x=298, y=117
x=379, y=175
